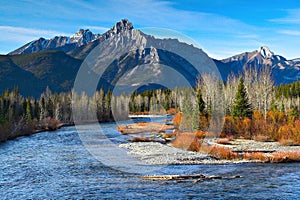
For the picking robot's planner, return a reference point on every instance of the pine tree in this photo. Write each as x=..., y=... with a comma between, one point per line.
x=28, y=111
x=241, y=107
x=200, y=102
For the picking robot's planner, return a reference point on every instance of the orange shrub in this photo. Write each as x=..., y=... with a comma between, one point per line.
x=285, y=157
x=276, y=117
x=223, y=141
x=50, y=123
x=200, y=134
x=276, y=157
x=177, y=119
x=219, y=152
x=286, y=142
x=256, y=156
x=261, y=138
x=187, y=141
x=172, y=111
x=229, y=126
x=204, y=122
x=289, y=134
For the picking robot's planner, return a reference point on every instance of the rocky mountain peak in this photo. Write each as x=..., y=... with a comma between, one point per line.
x=122, y=25
x=265, y=52
x=83, y=36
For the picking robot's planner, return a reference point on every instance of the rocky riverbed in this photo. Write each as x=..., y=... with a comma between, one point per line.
x=251, y=145
x=160, y=154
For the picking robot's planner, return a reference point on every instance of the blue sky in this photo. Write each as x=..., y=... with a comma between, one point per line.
x=221, y=27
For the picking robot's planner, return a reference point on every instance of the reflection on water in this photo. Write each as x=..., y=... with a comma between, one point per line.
x=57, y=165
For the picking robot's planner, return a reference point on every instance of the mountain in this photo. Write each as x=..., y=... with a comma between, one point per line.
x=283, y=70
x=131, y=59
x=62, y=43
x=32, y=73
x=78, y=45
x=11, y=75
x=55, y=62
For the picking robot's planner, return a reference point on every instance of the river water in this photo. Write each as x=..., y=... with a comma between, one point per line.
x=56, y=165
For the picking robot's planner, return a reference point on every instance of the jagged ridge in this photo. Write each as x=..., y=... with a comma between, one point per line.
x=79, y=45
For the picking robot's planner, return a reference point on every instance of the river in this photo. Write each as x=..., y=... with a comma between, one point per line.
x=56, y=165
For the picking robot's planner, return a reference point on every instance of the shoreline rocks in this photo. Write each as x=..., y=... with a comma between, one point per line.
x=159, y=154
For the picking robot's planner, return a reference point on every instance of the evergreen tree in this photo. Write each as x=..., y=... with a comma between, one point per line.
x=241, y=107
x=28, y=111
x=200, y=102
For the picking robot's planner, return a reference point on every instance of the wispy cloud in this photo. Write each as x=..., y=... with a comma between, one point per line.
x=218, y=33
x=22, y=34
x=293, y=17
x=248, y=36
x=290, y=32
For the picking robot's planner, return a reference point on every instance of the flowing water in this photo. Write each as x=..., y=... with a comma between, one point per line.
x=56, y=165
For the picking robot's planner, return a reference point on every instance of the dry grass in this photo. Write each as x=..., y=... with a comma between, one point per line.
x=143, y=127
x=219, y=152
x=285, y=157
x=187, y=141
x=224, y=141
x=287, y=142
x=177, y=119
x=259, y=156
x=261, y=138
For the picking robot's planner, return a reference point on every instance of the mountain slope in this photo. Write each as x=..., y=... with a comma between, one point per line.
x=284, y=71
x=34, y=72
x=62, y=43
x=11, y=75
x=58, y=68
x=78, y=45
x=138, y=59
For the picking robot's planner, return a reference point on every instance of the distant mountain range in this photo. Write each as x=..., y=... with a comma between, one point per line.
x=55, y=62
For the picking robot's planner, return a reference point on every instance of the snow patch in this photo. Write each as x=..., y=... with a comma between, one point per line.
x=265, y=52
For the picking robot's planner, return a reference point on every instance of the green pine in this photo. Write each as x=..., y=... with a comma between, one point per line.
x=241, y=107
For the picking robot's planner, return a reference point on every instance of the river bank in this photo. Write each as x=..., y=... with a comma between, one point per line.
x=164, y=154
x=160, y=154
x=27, y=129
x=52, y=165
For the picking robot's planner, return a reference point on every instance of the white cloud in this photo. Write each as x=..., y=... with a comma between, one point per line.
x=293, y=17
x=289, y=32
x=22, y=34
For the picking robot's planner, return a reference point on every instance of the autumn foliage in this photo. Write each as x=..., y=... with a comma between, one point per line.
x=187, y=141
x=276, y=126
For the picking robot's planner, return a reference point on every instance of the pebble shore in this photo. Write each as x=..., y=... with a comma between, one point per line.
x=161, y=154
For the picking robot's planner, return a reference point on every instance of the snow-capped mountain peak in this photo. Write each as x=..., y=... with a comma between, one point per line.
x=82, y=37
x=67, y=44
x=265, y=52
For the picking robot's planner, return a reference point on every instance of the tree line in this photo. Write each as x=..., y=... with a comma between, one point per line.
x=239, y=97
